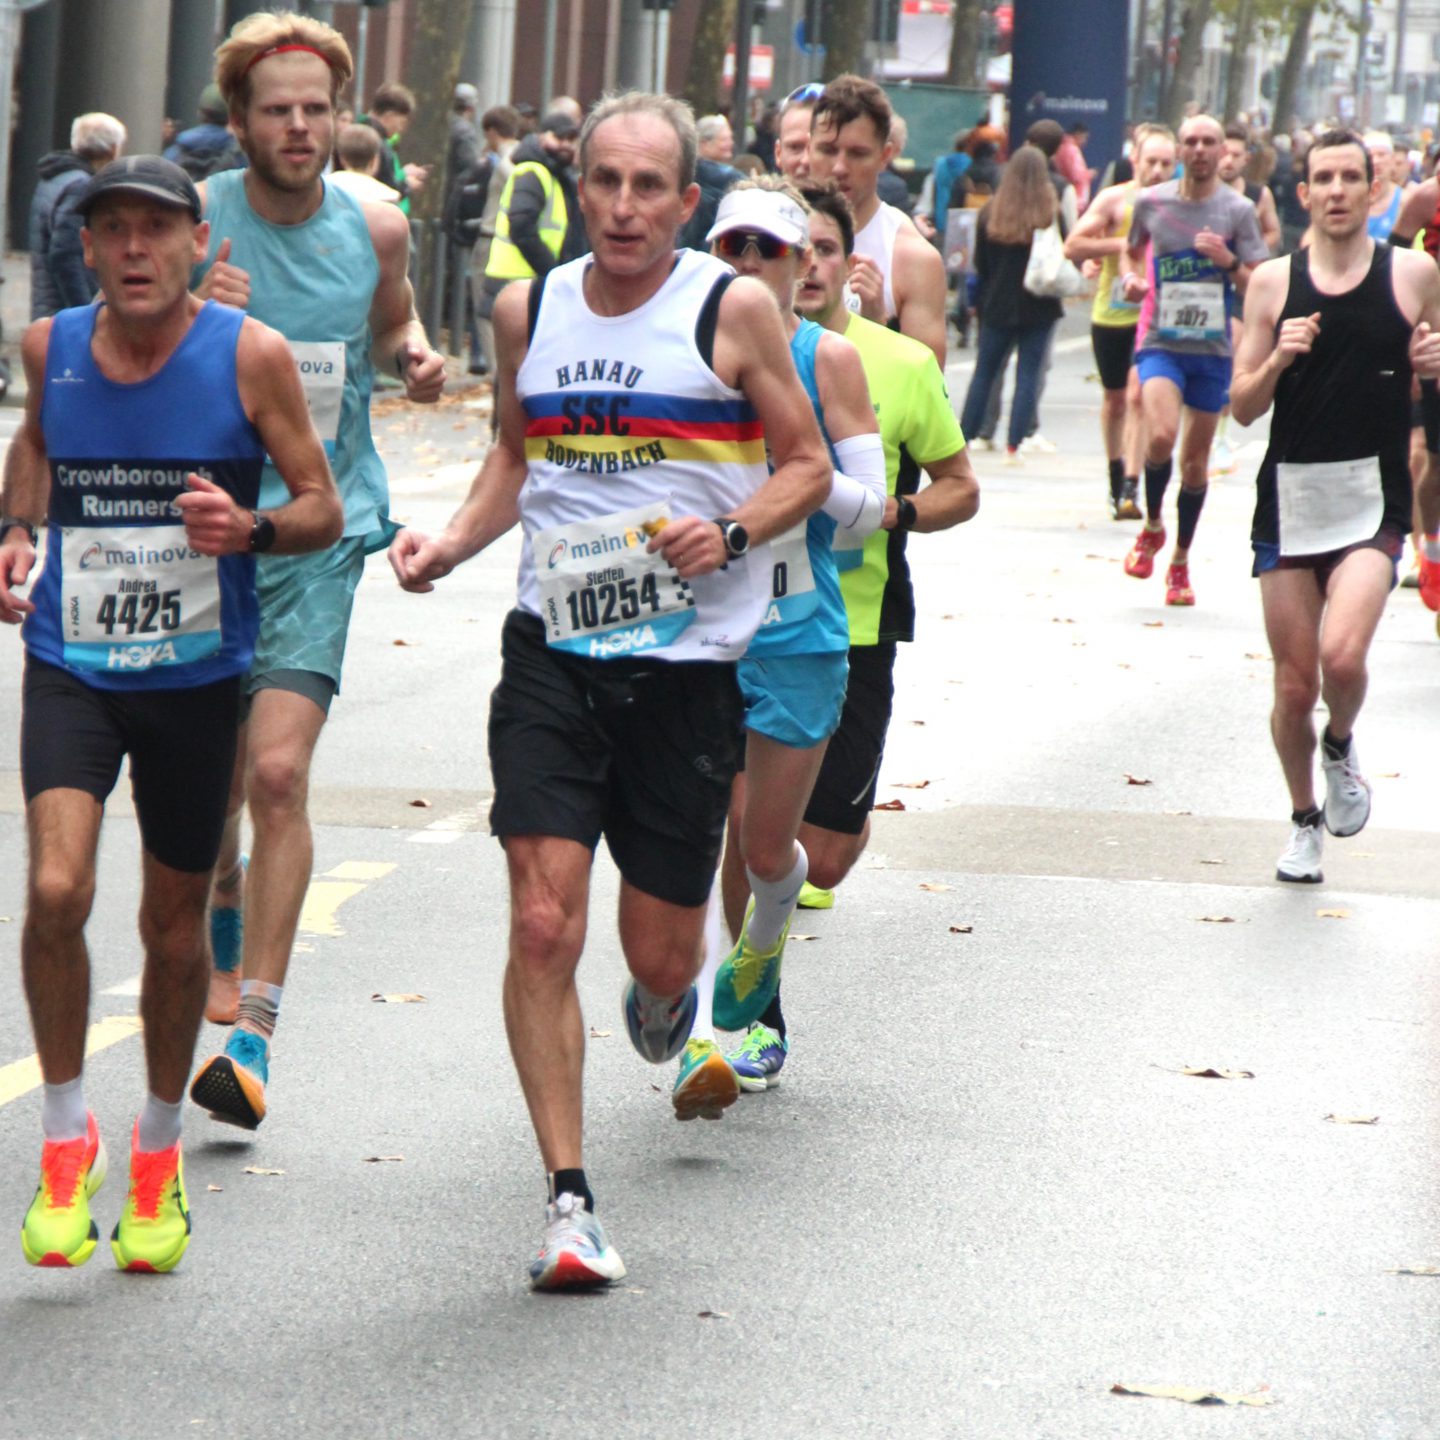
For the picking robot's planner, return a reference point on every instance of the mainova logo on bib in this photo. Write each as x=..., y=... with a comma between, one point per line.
x=565, y=548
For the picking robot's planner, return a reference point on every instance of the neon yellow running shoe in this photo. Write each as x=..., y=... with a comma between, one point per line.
x=747, y=980
x=812, y=897
x=58, y=1230
x=154, y=1226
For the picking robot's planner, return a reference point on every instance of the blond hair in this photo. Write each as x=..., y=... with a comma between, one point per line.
x=773, y=185
x=251, y=37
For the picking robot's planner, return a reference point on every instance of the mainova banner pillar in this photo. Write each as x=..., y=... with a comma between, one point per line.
x=1069, y=62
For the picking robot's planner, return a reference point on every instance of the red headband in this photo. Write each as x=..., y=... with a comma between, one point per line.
x=280, y=50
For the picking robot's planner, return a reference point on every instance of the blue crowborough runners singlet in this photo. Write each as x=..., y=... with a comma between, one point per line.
x=806, y=614
x=123, y=602
x=627, y=427
x=314, y=283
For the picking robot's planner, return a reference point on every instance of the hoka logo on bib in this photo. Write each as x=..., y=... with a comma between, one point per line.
x=141, y=657
x=622, y=642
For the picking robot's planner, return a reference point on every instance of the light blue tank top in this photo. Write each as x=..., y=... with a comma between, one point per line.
x=314, y=283
x=1378, y=227
x=806, y=615
x=123, y=602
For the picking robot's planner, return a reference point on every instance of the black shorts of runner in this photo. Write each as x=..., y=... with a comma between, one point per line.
x=640, y=751
x=181, y=745
x=1114, y=354
x=1389, y=542
x=844, y=791
x=1425, y=413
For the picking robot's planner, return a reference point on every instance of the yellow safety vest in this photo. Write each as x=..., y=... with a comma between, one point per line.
x=506, y=262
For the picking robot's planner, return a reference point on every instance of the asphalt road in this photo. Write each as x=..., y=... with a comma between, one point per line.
x=984, y=1193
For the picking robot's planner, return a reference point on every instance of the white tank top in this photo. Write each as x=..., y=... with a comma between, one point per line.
x=626, y=427
x=877, y=240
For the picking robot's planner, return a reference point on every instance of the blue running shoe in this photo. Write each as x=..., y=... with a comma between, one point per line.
x=706, y=1084
x=658, y=1027
x=574, y=1255
x=760, y=1058
x=232, y=1086
x=747, y=981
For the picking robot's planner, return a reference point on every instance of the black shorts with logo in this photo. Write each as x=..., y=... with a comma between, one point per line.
x=844, y=791
x=181, y=745
x=641, y=751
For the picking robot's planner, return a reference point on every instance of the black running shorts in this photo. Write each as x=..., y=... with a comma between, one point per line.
x=181, y=745
x=1114, y=347
x=844, y=792
x=640, y=751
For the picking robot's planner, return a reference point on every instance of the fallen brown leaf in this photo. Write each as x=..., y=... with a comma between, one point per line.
x=1210, y=1073
x=1216, y=919
x=1179, y=812
x=1153, y=624
x=1194, y=1397
x=962, y=929
x=1135, y=780
x=398, y=999
x=1332, y=914
x=936, y=885
x=1056, y=620
x=794, y=936
x=714, y=1315
x=894, y=804
x=1415, y=1270
x=1353, y=1119
x=1255, y=655
x=380, y=1159
x=419, y=804
x=1212, y=862
x=1388, y=775
x=917, y=722
x=599, y=1034
x=215, y=1189
x=400, y=642
x=258, y=1170
x=910, y=784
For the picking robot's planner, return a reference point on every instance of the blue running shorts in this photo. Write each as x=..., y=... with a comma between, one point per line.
x=794, y=700
x=1202, y=380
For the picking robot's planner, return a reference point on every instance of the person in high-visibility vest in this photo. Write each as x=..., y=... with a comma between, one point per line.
x=538, y=226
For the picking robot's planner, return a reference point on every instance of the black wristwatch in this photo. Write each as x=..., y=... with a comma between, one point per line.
x=1231, y=269
x=736, y=536
x=262, y=534
x=905, y=513
x=9, y=522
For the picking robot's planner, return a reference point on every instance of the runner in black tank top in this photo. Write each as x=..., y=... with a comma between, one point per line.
x=1334, y=336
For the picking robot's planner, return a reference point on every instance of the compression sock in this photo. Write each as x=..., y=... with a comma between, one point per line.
x=1157, y=478
x=1335, y=749
x=62, y=1111
x=704, y=1026
x=1311, y=817
x=259, y=1008
x=1189, y=503
x=1117, y=478
x=572, y=1182
x=774, y=902
x=159, y=1124
x=1430, y=546
x=773, y=1016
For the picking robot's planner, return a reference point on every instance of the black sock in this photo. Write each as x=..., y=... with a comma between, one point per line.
x=1117, y=477
x=1313, y=816
x=1189, y=503
x=1335, y=749
x=1157, y=477
x=774, y=1017
x=1132, y=483
x=575, y=1183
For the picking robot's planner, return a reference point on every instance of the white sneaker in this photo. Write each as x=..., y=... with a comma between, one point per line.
x=1347, y=793
x=1300, y=859
x=1014, y=457
x=983, y=442
x=1037, y=444
x=574, y=1255
x=1222, y=457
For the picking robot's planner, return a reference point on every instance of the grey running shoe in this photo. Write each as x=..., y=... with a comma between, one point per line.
x=574, y=1255
x=1300, y=859
x=1347, y=794
x=658, y=1025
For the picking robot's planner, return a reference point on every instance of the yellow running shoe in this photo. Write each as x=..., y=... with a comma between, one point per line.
x=812, y=897
x=154, y=1226
x=58, y=1230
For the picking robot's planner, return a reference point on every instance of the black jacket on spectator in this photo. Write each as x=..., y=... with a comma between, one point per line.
x=527, y=201
x=59, y=277
x=1003, y=298
x=714, y=179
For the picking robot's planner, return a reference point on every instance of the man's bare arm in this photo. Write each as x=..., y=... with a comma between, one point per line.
x=1417, y=213
x=917, y=276
x=399, y=342
x=1262, y=356
x=25, y=491
x=951, y=497
x=1093, y=237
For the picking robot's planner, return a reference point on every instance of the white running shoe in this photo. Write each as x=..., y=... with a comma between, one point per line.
x=1300, y=859
x=983, y=442
x=574, y=1255
x=1037, y=444
x=1347, y=793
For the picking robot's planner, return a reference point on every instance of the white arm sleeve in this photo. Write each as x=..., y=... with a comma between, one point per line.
x=857, y=491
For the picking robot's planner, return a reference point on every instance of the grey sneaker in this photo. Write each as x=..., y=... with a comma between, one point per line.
x=574, y=1255
x=658, y=1025
x=1300, y=859
x=1347, y=793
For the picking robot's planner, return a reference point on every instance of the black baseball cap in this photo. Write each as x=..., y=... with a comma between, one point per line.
x=561, y=124
x=149, y=176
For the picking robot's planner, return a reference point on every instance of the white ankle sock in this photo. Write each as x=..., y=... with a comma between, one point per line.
x=1430, y=544
x=704, y=1026
x=774, y=900
x=62, y=1111
x=159, y=1124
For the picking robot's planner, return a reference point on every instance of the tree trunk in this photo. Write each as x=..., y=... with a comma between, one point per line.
x=1290, y=71
x=847, y=23
x=1239, y=54
x=1187, y=60
x=434, y=68
x=965, y=44
x=714, y=31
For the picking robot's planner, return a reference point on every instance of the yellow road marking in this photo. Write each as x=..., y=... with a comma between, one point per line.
x=23, y=1076
x=328, y=892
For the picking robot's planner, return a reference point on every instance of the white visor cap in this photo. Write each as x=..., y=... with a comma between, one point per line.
x=765, y=210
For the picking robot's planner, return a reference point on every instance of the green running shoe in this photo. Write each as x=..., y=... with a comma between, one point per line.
x=706, y=1085
x=812, y=897
x=747, y=981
